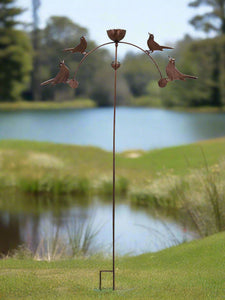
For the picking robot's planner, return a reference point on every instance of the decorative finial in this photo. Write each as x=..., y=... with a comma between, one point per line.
x=162, y=82
x=73, y=83
x=116, y=35
x=115, y=66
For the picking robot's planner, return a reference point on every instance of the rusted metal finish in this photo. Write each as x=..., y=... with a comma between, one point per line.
x=115, y=66
x=114, y=162
x=73, y=83
x=79, y=48
x=162, y=82
x=153, y=46
x=174, y=74
x=100, y=277
x=61, y=77
x=116, y=35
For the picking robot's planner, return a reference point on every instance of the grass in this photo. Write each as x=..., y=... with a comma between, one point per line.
x=188, y=271
x=41, y=166
x=39, y=105
x=188, y=178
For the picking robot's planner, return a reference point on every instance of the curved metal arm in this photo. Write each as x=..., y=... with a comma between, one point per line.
x=96, y=48
x=146, y=52
x=86, y=55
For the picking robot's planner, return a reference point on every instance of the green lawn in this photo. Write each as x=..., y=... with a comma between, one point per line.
x=195, y=270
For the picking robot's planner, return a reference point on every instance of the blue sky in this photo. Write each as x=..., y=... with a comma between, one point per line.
x=167, y=20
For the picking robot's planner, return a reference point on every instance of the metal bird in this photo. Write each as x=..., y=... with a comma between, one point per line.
x=153, y=46
x=174, y=74
x=79, y=48
x=62, y=76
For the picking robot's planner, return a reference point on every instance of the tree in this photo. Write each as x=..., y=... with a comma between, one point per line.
x=138, y=71
x=8, y=12
x=15, y=53
x=95, y=77
x=59, y=33
x=210, y=21
x=103, y=88
x=35, y=38
x=205, y=59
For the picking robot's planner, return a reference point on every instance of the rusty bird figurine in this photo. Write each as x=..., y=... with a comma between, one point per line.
x=61, y=77
x=174, y=74
x=153, y=46
x=79, y=48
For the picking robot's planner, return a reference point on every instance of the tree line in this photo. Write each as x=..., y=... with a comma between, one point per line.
x=137, y=77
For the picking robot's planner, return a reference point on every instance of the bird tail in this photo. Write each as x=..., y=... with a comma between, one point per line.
x=165, y=47
x=47, y=82
x=68, y=50
x=189, y=76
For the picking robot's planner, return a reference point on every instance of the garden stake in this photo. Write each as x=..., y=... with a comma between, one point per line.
x=116, y=35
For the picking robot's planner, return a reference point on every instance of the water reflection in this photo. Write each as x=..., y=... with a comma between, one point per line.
x=138, y=230
x=9, y=232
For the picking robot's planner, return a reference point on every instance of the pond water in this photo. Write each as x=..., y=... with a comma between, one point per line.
x=138, y=230
x=137, y=128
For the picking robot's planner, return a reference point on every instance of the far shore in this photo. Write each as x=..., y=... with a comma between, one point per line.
x=80, y=103
x=45, y=105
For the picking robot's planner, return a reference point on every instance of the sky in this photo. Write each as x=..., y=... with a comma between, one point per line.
x=167, y=20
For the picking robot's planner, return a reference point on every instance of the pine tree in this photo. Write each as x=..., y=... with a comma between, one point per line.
x=213, y=20
x=15, y=53
x=8, y=12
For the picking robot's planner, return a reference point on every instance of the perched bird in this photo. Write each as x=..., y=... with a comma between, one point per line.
x=153, y=46
x=62, y=76
x=174, y=74
x=79, y=48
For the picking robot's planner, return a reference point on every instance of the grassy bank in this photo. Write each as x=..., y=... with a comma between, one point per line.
x=39, y=105
x=23, y=162
x=188, y=178
x=189, y=271
x=88, y=103
x=156, y=102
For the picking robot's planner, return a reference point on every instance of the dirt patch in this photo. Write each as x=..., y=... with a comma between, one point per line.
x=133, y=154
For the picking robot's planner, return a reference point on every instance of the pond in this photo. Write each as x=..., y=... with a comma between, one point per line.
x=138, y=230
x=136, y=128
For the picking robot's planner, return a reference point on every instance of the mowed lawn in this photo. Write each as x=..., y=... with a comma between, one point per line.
x=195, y=270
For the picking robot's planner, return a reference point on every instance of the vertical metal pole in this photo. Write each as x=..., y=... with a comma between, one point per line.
x=114, y=167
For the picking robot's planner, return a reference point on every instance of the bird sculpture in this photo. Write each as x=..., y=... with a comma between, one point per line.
x=153, y=46
x=174, y=74
x=61, y=77
x=79, y=48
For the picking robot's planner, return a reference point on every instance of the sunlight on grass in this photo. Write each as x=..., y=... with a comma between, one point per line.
x=189, y=271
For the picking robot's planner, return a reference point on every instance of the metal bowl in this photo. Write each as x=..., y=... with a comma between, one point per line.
x=116, y=35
